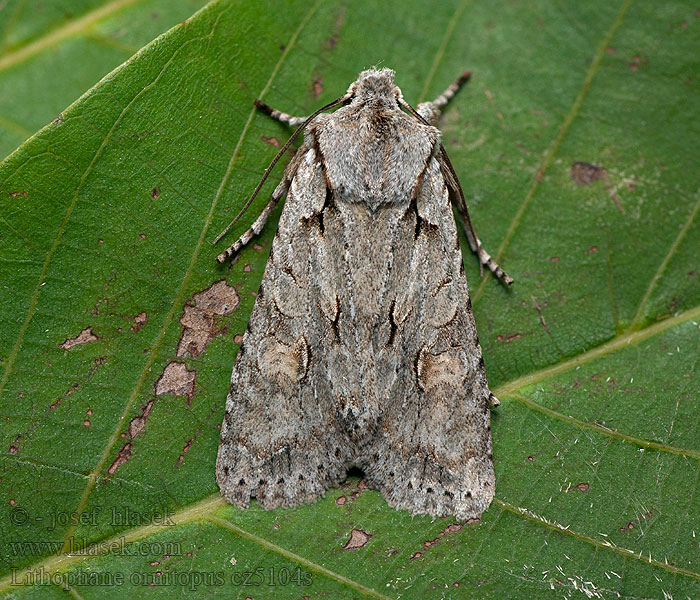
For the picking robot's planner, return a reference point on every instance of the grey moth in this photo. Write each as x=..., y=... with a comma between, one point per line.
x=361, y=349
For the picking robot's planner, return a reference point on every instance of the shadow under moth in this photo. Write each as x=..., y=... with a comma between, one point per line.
x=361, y=349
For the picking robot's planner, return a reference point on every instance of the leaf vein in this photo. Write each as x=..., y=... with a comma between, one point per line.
x=551, y=152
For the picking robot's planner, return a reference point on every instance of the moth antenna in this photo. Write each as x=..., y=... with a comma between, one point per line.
x=284, y=148
x=474, y=241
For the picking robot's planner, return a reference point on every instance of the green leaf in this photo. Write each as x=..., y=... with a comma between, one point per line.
x=51, y=52
x=576, y=141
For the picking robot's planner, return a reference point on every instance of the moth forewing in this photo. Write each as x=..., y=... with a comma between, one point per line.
x=361, y=349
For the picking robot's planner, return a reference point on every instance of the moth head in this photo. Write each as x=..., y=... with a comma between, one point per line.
x=375, y=84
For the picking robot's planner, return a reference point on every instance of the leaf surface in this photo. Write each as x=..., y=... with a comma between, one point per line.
x=576, y=143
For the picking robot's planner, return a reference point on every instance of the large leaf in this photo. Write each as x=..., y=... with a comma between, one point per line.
x=577, y=143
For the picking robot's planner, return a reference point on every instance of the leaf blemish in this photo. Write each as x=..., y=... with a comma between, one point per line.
x=184, y=451
x=84, y=337
x=358, y=538
x=138, y=423
x=139, y=321
x=123, y=456
x=508, y=337
x=333, y=40
x=198, y=317
x=176, y=379
x=317, y=86
x=584, y=173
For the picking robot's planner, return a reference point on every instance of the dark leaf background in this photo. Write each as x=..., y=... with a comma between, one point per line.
x=576, y=142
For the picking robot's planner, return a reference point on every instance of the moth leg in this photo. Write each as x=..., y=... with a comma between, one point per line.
x=279, y=115
x=458, y=200
x=256, y=227
x=430, y=111
x=279, y=193
x=485, y=259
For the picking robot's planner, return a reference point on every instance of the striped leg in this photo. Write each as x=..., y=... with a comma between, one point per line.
x=430, y=111
x=483, y=256
x=259, y=223
x=256, y=227
x=280, y=116
x=279, y=193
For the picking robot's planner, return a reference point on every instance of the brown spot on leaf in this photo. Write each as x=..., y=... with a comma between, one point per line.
x=138, y=423
x=123, y=456
x=416, y=555
x=84, y=337
x=58, y=119
x=582, y=487
x=13, y=449
x=198, y=317
x=142, y=236
x=184, y=450
x=358, y=538
x=508, y=337
x=86, y=423
x=155, y=192
x=361, y=487
x=258, y=247
x=584, y=173
x=636, y=61
x=238, y=338
x=538, y=308
x=246, y=269
x=139, y=321
x=271, y=140
x=317, y=86
x=452, y=528
x=341, y=500
x=96, y=364
x=176, y=379
x=333, y=39
x=16, y=194
x=592, y=249
x=554, y=259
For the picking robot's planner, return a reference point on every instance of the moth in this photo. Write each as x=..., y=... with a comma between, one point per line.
x=361, y=349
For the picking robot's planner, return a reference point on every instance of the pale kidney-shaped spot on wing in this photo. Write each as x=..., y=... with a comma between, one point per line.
x=434, y=370
x=441, y=306
x=281, y=361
